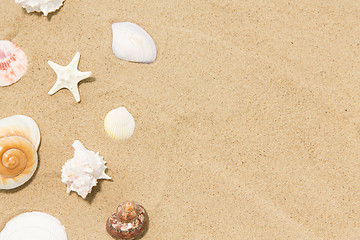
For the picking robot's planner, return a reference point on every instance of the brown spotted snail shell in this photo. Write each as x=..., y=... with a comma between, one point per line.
x=19, y=141
x=129, y=222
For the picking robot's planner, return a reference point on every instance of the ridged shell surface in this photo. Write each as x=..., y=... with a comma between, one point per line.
x=119, y=124
x=19, y=141
x=13, y=62
x=45, y=6
x=132, y=43
x=33, y=226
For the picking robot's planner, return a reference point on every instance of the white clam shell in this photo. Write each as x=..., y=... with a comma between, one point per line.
x=19, y=141
x=132, y=43
x=119, y=124
x=13, y=62
x=80, y=174
x=45, y=6
x=34, y=226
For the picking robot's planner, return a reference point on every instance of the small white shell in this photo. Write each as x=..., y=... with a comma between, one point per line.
x=132, y=43
x=19, y=141
x=80, y=174
x=119, y=124
x=33, y=226
x=13, y=62
x=45, y=6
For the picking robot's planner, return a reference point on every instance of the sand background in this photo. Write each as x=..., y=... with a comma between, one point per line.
x=247, y=124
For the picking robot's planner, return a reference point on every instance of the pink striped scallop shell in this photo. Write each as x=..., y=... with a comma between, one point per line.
x=13, y=63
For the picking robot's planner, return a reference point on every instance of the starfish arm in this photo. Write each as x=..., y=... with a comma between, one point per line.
x=83, y=75
x=56, y=67
x=68, y=77
x=74, y=62
x=75, y=92
x=57, y=86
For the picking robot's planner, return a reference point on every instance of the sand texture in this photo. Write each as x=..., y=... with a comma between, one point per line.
x=247, y=123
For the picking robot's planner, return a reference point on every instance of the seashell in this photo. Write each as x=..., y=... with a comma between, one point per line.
x=132, y=43
x=19, y=141
x=33, y=225
x=81, y=172
x=13, y=63
x=130, y=221
x=45, y=6
x=119, y=124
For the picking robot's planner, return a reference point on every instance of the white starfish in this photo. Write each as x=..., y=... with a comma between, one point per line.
x=68, y=77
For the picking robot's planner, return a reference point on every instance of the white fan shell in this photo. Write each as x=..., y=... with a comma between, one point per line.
x=34, y=226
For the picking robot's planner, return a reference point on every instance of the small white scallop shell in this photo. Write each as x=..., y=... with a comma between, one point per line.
x=119, y=124
x=33, y=226
x=132, y=43
x=45, y=6
x=19, y=141
x=13, y=62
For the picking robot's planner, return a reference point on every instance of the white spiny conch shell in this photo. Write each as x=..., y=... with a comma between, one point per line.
x=45, y=6
x=13, y=62
x=33, y=226
x=19, y=141
x=132, y=43
x=81, y=172
x=119, y=124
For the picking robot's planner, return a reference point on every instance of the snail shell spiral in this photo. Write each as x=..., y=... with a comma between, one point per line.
x=19, y=140
x=129, y=222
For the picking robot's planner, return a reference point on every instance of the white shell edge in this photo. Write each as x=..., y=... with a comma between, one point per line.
x=131, y=51
x=31, y=225
x=27, y=124
x=40, y=6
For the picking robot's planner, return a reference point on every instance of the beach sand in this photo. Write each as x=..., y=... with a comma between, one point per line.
x=247, y=123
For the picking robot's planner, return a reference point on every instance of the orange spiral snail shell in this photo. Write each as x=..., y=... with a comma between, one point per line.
x=129, y=222
x=19, y=140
